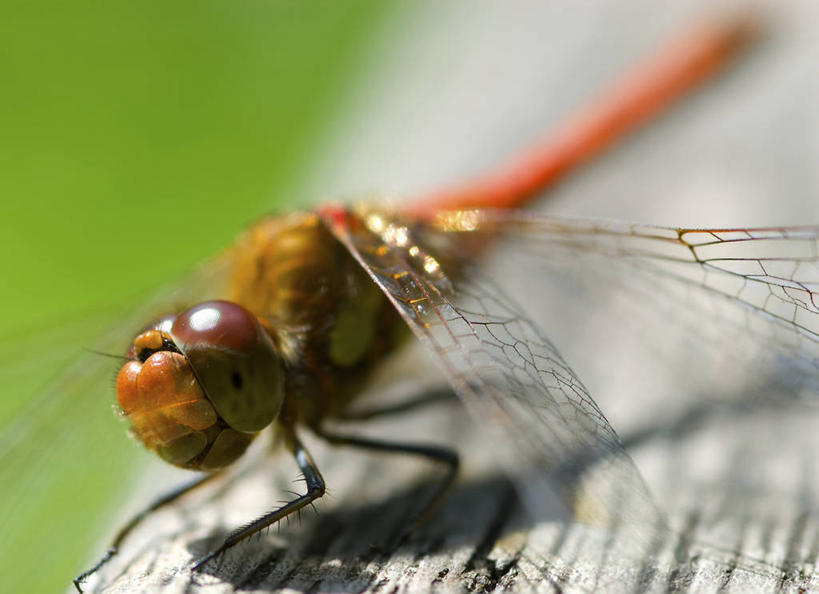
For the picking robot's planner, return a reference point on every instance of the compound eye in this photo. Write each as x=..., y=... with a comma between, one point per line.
x=221, y=324
x=235, y=362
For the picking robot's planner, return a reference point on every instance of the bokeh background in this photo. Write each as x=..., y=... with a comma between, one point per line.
x=138, y=139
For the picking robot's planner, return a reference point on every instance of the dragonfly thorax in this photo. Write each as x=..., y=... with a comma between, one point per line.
x=200, y=385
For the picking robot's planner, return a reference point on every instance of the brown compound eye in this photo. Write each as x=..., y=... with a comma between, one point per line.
x=235, y=362
x=199, y=386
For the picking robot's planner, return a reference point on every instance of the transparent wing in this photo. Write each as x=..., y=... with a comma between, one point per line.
x=540, y=416
x=62, y=453
x=511, y=378
x=760, y=283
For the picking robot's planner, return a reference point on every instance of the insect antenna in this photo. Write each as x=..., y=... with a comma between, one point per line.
x=104, y=354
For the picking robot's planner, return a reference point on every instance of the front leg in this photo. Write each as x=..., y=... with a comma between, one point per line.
x=315, y=489
x=123, y=532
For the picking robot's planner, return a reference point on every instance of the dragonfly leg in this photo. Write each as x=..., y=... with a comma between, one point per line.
x=431, y=397
x=315, y=489
x=123, y=533
x=442, y=455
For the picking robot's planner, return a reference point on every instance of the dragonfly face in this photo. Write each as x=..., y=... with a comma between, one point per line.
x=200, y=385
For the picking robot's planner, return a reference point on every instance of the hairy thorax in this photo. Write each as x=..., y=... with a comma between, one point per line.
x=330, y=322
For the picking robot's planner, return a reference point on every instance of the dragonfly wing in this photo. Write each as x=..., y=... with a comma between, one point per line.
x=735, y=309
x=760, y=283
x=544, y=424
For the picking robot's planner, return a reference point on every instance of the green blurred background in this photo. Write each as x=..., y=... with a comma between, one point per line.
x=137, y=138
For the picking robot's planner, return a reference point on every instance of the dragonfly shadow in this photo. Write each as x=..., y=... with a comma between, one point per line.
x=773, y=395
x=336, y=550
x=350, y=544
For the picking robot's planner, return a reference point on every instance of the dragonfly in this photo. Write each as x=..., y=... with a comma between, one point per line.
x=387, y=268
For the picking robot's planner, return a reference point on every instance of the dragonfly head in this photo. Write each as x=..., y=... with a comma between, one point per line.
x=199, y=385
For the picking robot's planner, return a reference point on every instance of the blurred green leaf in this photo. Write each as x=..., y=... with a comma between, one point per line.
x=138, y=138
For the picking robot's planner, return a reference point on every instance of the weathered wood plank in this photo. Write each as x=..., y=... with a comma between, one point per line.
x=739, y=482
x=480, y=539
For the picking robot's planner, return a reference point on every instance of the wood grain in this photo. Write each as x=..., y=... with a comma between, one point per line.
x=481, y=538
x=736, y=474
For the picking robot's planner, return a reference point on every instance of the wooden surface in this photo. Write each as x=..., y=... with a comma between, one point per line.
x=728, y=532
x=736, y=475
x=451, y=90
